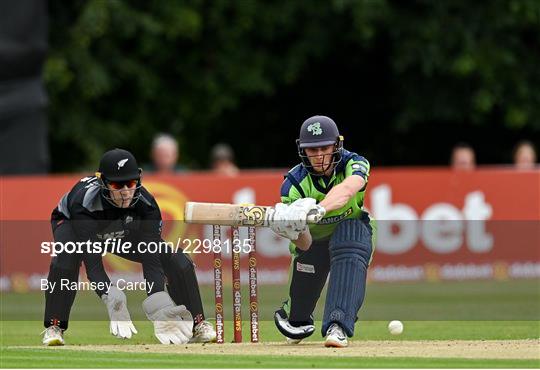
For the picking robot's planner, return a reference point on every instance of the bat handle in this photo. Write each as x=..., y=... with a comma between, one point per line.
x=313, y=217
x=269, y=217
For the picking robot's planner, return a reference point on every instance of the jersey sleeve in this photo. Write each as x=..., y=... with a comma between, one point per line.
x=358, y=165
x=151, y=222
x=289, y=193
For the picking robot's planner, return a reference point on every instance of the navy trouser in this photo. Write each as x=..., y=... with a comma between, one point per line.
x=310, y=271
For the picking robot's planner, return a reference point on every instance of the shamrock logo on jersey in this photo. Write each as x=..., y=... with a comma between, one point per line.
x=315, y=128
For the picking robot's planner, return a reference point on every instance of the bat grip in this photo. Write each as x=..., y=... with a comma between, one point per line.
x=313, y=217
x=269, y=217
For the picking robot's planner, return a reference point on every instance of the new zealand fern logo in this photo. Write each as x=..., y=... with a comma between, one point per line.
x=315, y=128
x=122, y=162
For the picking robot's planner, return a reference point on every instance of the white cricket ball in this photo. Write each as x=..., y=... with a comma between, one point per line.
x=395, y=327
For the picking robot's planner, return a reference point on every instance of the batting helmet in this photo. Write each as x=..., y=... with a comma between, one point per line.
x=319, y=131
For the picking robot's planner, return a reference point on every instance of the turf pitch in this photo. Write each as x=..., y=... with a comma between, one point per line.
x=452, y=312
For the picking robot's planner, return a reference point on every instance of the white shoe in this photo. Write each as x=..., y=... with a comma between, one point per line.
x=53, y=336
x=292, y=341
x=203, y=332
x=335, y=337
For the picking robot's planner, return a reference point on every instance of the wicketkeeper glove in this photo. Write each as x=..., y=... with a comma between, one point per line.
x=116, y=302
x=172, y=323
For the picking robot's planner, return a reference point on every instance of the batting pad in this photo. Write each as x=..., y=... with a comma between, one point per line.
x=288, y=329
x=350, y=250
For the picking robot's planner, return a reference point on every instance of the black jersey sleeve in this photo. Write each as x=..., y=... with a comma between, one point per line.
x=82, y=207
x=151, y=221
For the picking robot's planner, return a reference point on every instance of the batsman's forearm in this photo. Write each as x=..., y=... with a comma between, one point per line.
x=304, y=241
x=342, y=193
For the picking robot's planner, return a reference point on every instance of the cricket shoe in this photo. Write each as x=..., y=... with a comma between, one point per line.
x=53, y=336
x=292, y=341
x=335, y=337
x=203, y=332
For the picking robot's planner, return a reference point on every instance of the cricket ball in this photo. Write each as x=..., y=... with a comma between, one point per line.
x=395, y=327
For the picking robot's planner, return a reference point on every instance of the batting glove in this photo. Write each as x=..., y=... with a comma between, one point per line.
x=313, y=211
x=287, y=221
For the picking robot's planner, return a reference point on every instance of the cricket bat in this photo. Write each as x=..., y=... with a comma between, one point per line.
x=232, y=214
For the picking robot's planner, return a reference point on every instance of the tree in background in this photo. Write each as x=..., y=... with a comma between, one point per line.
x=405, y=79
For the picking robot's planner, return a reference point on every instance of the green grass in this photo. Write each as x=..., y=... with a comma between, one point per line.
x=444, y=311
x=73, y=359
x=24, y=333
x=469, y=300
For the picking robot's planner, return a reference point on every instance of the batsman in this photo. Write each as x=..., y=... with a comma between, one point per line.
x=332, y=182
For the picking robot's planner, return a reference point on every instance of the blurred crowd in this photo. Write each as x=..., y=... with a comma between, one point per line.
x=524, y=157
x=165, y=157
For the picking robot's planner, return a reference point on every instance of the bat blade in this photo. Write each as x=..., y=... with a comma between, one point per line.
x=225, y=214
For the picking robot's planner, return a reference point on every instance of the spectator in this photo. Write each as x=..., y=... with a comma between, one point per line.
x=223, y=160
x=524, y=155
x=165, y=155
x=463, y=157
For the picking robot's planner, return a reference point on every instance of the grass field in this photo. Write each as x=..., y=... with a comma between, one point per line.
x=452, y=338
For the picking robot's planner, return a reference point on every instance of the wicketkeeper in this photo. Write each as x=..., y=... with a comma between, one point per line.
x=115, y=205
x=332, y=182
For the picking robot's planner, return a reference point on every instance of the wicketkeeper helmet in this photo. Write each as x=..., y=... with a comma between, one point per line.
x=118, y=166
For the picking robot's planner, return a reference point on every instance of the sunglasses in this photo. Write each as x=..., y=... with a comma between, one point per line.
x=117, y=185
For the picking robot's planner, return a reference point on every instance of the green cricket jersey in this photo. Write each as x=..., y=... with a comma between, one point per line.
x=299, y=183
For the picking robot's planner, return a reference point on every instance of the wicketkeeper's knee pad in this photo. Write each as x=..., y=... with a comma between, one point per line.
x=350, y=252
